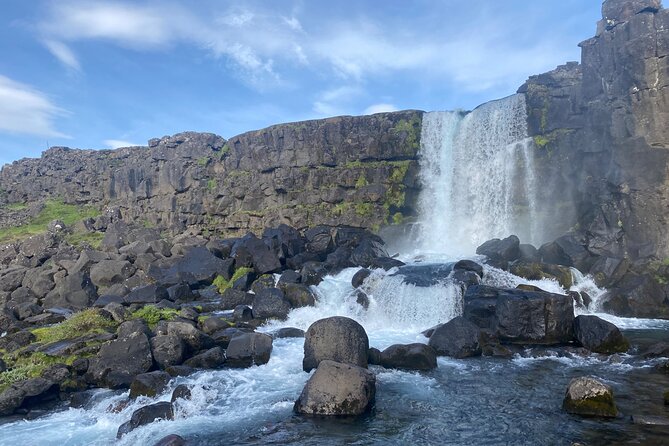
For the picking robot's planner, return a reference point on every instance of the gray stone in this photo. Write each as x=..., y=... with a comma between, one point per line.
x=249, y=349
x=338, y=339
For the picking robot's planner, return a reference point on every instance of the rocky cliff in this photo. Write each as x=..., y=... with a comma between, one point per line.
x=600, y=128
x=360, y=171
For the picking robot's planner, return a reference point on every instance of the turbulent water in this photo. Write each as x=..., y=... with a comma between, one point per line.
x=474, y=401
x=478, y=177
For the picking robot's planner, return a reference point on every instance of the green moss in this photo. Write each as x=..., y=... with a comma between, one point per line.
x=16, y=206
x=398, y=218
x=202, y=162
x=93, y=239
x=224, y=151
x=80, y=324
x=412, y=130
x=152, y=314
x=223, y=284
x=541, y=141
x=395, y=197
x=364, y=209
x=212, y=184
x=53, y=210
x=399, y=172
x=27, y=366
x=362, y=181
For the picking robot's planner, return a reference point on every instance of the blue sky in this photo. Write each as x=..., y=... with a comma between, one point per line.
x=101, y=74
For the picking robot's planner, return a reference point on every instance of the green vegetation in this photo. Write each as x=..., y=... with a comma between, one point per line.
x=412, y=130
x=541, y=141
x=202, y=162
x=364, y=209
x=152, y=315
x=223, y=284
x=16, y=206
x=93, y=239
x=53, y=210
x=212, y=184
x=398, y=218
x=28, y=366
x=224, y=151
x=85, y=322
x=362, y=181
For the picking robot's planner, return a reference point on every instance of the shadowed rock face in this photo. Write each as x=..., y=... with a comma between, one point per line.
x=602, y=137
x=359, y=171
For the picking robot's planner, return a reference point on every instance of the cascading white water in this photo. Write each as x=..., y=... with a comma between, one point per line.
x=477, y=176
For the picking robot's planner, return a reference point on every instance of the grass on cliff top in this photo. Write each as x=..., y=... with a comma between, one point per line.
x=53, y=210
x=152, y=315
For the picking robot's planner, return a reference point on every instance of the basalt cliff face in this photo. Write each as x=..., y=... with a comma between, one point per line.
x=601, y=134
x=360, y=171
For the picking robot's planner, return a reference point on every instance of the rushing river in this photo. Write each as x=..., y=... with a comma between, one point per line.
x=472, y=401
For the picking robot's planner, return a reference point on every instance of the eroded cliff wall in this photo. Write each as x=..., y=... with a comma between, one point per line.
x=360, y=171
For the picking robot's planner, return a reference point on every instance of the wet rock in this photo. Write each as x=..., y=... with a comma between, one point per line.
x=500, y=252
x=145, y=415
x=649, y=420
x=362, y=299
x=27, y=393
x=599, y=336
x=232, y=298
x=213, y=324
x=587, y=396
x=666, y=397
x=425, y=275
x=149, y=384
x=338, y=339
x=242, y=313
x=270, y=303
x=223, y=337
x=180, y=370
x=374, y=356
x=119, y=361
x=171, y=440
x=458, y=338
x=657, y=350
x=182, y=391
x=337, y=389
x=312, y=273
x=289, y=276
x=248, y=349
x=469, y=265
x=298, y=295
x=538, y=271
x=209, y=359
x=288, y=332
x=409, y=357
x=359, y=277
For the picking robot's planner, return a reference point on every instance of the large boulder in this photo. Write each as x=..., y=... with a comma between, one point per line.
x=149, y=294
x=195, y=339
x=587, y=396
x=337, y=389
x=248, y=349
x=337, y=339
x=109, y=272
x=409, y=357
x=209, y=359
x=270, y=303
x=149, y=384
x=145, y=415
x=252, y=251
x=198, y=267
x=119, y=361
x=168, y=350
x=458, y=338
x=500, y=252
x=521, y=316
x=298, y=295
x=599, y=336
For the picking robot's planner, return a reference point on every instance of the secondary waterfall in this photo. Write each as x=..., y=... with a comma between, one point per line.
x=478, y=177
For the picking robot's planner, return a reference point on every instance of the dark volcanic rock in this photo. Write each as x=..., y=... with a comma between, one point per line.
x=209, y=359
x=458, y=338
x=171, y=440
x=119, y=361
x=149, y=384
x=501, y=251
x=26, y=393
x=599, y=336
x=270, y=303
x=409, y=357
x=337, y=389
x=337, y=339
x=145, y=415
x=248, y=349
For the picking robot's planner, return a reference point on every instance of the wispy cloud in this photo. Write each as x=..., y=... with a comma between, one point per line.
x=336, y=101
x=379, y=108
x=117, y=143
x=25, y=110
x=264, y=45
x=63, y=53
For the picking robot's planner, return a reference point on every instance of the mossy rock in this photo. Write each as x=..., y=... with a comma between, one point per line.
x=539, y=271
x=589, y=397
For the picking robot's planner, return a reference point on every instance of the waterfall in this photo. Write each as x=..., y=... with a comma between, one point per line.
x=478, y=177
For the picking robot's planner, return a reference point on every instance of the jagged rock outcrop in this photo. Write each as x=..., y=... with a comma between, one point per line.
x=360, y=171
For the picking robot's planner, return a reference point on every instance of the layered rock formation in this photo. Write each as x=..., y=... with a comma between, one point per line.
x=345, y=170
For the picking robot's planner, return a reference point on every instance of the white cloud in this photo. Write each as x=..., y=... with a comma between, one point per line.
x=25, y=110
x=379, y=108
x=336, y=101
x=117, y=143
x=63, y=53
